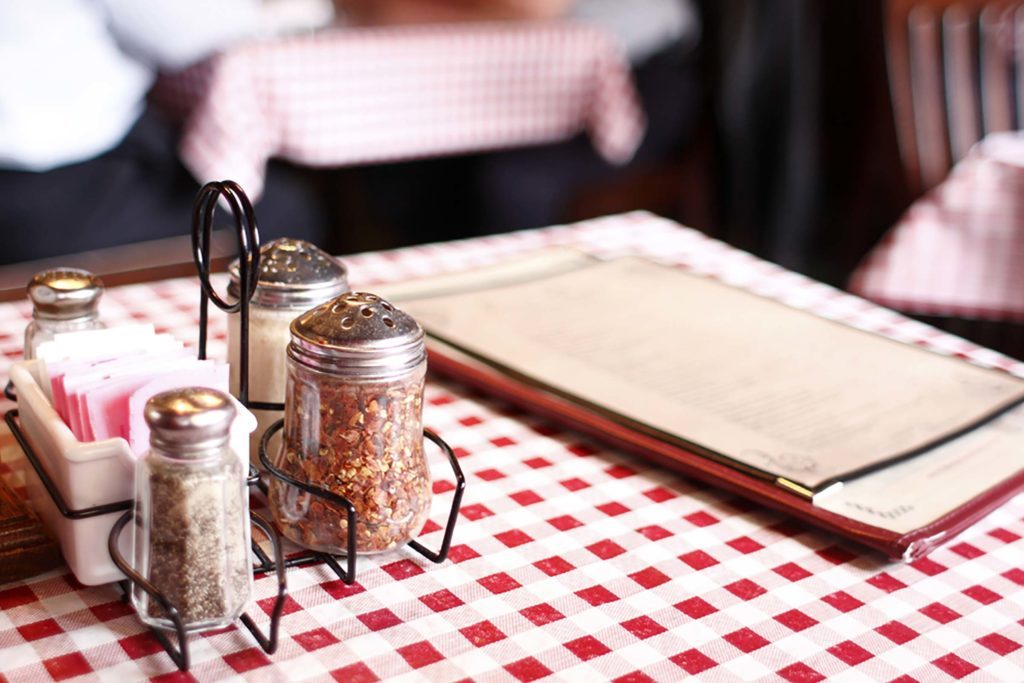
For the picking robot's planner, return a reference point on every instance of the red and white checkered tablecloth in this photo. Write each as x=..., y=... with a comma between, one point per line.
x=572, y=561
x=353, y=96
x=959, y=250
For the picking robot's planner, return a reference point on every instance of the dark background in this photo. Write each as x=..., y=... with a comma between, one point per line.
x=775, y=135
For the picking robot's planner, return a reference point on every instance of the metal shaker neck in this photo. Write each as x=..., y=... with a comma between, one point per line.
x=65, y=294
x=187, y=423
x=358, y=335
x=293, y=274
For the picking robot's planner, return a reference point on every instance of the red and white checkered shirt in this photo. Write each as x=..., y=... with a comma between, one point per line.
x=573, y=561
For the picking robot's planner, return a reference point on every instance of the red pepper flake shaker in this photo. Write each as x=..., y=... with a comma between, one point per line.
x=354, y=426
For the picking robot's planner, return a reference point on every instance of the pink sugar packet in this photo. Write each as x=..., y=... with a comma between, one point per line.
x=99, y=409
x=205, y=374
x=107, y=342
x=62, y=369
x=72, y=386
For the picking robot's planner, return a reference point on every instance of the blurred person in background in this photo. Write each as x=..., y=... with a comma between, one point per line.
x=644, y=26
x=530, y=187
x=84, y=162
x=535, y=187
x=384, y=12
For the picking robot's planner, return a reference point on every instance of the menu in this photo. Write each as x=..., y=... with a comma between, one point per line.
x=775, y=391
x=913, y=493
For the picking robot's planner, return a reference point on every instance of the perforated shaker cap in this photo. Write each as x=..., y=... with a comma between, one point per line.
x=293, y=274
x=357, y=334
x=189, y=419
x=65, y=294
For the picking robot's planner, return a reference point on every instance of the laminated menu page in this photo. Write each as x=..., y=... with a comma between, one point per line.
x=778, y=393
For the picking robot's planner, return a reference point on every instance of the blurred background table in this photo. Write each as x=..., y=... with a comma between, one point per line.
x=343, y=97
x=346, y=97
x=571, y=560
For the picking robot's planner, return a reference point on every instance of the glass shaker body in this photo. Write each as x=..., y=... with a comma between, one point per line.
x=293, y=277
x=356, y=432
x=63, y=300
x=41, y=330
x=192, y=533
x=268, y=374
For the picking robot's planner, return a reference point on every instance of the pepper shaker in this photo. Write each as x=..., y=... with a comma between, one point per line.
x=293, y=277
x=63, y=300
x=354, y=426
x=192, y=513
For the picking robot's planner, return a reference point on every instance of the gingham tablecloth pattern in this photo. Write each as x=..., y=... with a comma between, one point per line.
x=572, y=561
x=958, y=250
x=352, y=96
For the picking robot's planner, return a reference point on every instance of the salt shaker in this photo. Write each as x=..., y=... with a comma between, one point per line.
x=293, y=277
x=354, y=426
x=192, y=513
x=63, y=300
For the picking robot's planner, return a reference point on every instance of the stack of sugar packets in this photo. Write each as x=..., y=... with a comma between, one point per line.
x=99, y=380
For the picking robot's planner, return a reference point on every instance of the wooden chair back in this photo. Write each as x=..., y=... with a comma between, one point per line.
x=956, y=73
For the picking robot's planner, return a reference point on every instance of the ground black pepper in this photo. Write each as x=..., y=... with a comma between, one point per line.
x=192, y=513
x=198, y=557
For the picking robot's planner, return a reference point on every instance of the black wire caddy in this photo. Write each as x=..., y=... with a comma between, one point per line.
x=245, y=227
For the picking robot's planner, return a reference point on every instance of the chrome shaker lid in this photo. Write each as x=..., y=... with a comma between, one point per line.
x=293, y=274
x=65, y=294
x=190, y=418
x=359, y=334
